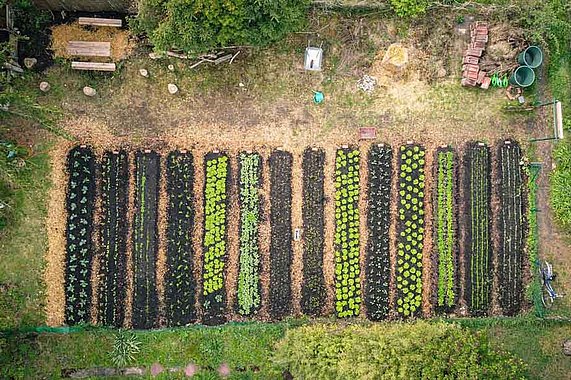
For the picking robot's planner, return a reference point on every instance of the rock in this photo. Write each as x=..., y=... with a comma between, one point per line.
x=173, y=89
x=89, y=91
x=45, y=86
x=171, y=67
x=30, y=62
x=567, y=347
x=144, y=72
x=133, y=371
x=224, y=370
x=441, y=73
x=156, y=369
x=190, y=370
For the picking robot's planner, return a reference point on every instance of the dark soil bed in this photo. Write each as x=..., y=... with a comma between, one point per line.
x=113, y=238
x=281, y=251
x=313, y=290
x=180, y=285
x=145, y=240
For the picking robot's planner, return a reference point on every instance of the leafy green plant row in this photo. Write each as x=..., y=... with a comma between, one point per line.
x=377, y=265
x=249, y=286
x=113, y=238
x=313, y=290
x=180, y=284
x=445, y=229
x=79, y=247
x=217, y=173
x=477, y=245
x=511, y=226
x=281, y=250
x=410, y=229
x=145, y=240
x=347, y=267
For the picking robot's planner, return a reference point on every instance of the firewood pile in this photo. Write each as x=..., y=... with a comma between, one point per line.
x=472, y=75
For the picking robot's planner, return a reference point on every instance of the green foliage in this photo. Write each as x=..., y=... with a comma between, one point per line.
x=198, y=26
x=347, y=269
x=409, y=8
x=215, y=223
x=410, y=230
x=445, y=237
x=561, y=184
x=418, y=350
x=125, y=347
x=249, y=296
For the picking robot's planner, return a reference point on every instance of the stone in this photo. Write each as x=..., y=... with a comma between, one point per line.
x=224, y=370
x=173, y=89
x=567, y=347
x=45, y=86
x=171, y=67
x=190, y=370
x=441, y=73
x=133, y=371
x=30, y=62
x=144, y=72
x=156, y=369
x=89, y=91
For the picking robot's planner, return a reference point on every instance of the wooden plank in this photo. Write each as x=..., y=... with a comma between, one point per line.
x=101, y=21
x=93, y=66
x=89, y=49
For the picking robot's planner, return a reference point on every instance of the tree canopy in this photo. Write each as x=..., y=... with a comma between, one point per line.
x=196, y=26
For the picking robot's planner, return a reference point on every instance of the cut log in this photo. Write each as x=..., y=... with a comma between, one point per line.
x=101, y=22
x=93, y=66
x=89, y=49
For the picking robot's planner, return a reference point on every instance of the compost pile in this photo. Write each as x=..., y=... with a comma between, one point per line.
x=505, y=42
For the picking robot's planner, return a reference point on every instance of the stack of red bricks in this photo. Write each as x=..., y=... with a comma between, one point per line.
x=471, y=73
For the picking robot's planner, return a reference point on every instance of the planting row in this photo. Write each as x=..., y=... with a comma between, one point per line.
x=395, y=279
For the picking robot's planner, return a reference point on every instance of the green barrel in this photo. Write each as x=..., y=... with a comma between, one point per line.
x=532, y=57
x=523, y=76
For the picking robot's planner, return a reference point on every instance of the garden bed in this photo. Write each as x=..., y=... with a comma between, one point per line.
x=215, y=247
x=512, y=226
x=410, y=230
x=281, y=251
x=445, y=230
x=180, y=285
x=113, y=238
x=79, y=248
x=313, y=292
x=377, y=264
x=145, y=240
x=476, y=224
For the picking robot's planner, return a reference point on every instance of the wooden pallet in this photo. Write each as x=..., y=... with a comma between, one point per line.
x=96, y=66
x=101, y=22
x=89, y=49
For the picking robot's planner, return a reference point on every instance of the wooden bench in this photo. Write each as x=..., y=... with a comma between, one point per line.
x=100, y=22
x=89, y=49
x=93, y=66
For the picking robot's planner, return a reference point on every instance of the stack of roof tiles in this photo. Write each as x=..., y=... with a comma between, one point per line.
x=471, y=73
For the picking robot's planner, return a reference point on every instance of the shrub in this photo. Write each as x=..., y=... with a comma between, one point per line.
x=197, y=26
x=561, y=184
x=418, y=350
x=409, y=8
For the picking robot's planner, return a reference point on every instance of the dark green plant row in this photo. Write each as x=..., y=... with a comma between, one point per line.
x=512, y=226
x=410, y=230
x=445, y=245
x=79, y=248
x=476, y=214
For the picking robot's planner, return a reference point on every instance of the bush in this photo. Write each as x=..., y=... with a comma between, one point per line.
x=418, y=350
x=409, y=8
x=198, y=26
x=561, y=184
